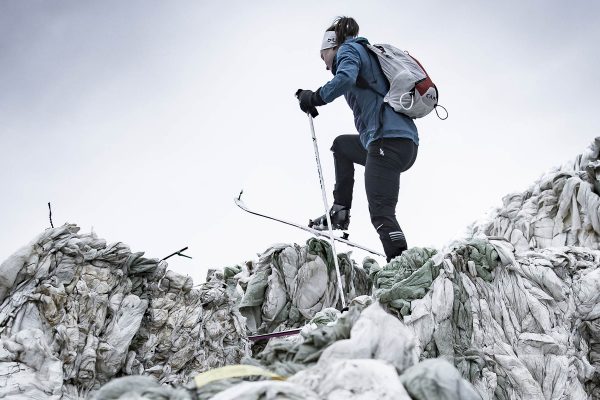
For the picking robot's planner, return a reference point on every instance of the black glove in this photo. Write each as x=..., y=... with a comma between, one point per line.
x=309, y=100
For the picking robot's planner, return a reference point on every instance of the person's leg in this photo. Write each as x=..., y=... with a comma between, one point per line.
x=347, y=151
x=386, y=159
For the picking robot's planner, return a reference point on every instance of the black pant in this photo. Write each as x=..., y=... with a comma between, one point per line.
x=384, y=160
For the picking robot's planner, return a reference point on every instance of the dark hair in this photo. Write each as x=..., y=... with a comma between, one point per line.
x=344, y=27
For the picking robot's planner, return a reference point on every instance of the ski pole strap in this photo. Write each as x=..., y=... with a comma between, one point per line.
x=438, y=114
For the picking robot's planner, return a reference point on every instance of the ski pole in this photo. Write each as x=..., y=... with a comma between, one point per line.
x=323, y=191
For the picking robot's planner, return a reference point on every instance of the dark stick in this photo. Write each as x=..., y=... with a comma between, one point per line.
x=177, y=253
x=276, y=334
x=50, y=208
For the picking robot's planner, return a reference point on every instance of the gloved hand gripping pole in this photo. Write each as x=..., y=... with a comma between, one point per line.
x=324, y=193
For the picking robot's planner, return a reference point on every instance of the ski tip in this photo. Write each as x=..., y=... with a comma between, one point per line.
x=238, y=202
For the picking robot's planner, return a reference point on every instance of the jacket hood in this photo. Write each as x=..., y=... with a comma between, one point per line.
x=358, y=39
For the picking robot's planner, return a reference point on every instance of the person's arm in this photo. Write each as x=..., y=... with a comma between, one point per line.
x=348, y=65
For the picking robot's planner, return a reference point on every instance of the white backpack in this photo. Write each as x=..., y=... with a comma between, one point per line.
x=412, y=92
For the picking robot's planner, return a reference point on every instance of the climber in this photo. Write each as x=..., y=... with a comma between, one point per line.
x=387, y=142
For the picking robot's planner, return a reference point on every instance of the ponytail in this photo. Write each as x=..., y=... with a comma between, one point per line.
x=344, y=27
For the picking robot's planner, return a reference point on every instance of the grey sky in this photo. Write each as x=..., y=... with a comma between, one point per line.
x=142, y=119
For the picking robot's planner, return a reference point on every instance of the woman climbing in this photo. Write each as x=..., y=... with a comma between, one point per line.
x=387, y=142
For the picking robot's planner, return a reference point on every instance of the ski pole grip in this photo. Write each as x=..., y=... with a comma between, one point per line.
x=313, y=110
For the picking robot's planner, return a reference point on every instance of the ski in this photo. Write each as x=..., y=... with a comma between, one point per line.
x=238, y=202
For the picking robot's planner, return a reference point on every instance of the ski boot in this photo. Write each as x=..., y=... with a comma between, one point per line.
x=340, y=219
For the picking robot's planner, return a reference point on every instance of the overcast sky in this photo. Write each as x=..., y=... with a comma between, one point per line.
x=142, y=120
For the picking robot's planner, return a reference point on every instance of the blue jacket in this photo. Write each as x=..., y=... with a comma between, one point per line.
x=353, y=60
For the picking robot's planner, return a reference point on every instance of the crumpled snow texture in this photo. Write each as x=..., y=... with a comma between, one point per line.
x=562, y=208
x=377, y=361
x=529, y=332
x=76, y=312
x=368, y=364
x=290, y=284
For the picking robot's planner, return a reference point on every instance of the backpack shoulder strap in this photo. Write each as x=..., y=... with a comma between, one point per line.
x=361, y=82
